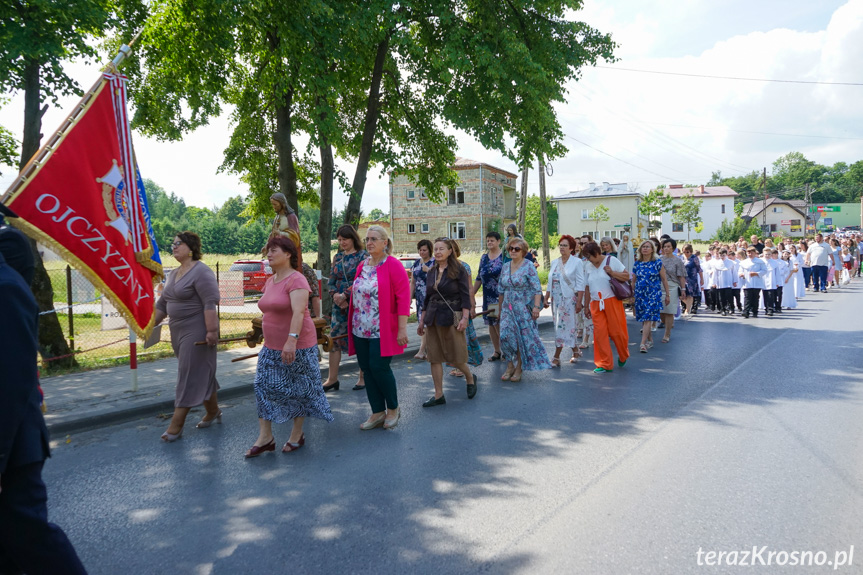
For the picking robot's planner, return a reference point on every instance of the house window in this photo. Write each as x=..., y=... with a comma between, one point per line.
x=424, y=228
x=585, y=213
x=412, y=228
x=457, y=231
x=773, y=227
x=777, y=210
x=675, y=209
x=423, y=195
x=456, y=196
x=676, y=227
x=795, y=222
x=411, y=194
x=723, y=208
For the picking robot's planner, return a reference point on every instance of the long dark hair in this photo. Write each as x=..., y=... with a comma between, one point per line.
x=453, y=266
x=348, y=231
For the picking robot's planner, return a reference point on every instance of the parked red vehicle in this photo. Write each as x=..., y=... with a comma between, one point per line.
x=255, y=274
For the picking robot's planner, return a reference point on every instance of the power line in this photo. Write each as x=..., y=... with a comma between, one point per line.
x=733, y=77
x=748, y=131
x=624, y=161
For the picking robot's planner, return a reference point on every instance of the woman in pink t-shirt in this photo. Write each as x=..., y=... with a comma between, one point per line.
x=288, y=379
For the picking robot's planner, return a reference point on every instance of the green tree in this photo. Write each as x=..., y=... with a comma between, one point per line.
x=36, y=39
x=533, y=221
x=163, y=204
x=654, y=204
x=687, y=212
x=598, y=214
x=232, y=209
x=377, y=215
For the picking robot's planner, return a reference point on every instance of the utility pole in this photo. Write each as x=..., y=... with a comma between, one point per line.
x=522, y=206
x=808, y=210
x=764, y=228
x=544, y=211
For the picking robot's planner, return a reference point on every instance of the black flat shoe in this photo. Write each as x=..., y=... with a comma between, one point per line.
x=471, y=388
x=433, y=402
x=358, y=387
x=332, y=387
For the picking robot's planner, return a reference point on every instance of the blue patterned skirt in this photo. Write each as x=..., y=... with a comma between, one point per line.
x=283, y=392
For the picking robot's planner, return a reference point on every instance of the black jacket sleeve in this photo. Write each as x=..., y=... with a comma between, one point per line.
x=23, y=435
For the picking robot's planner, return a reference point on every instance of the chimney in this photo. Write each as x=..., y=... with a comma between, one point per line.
x=592, y=185
x=701, y=189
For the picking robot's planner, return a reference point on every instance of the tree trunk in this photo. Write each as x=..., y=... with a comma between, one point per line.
x=326, y=221
x=52, y=342
x=285, y=150
x=373, y=112
x=544, y=215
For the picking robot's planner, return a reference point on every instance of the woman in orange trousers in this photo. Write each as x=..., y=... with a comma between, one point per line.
x=609, y=317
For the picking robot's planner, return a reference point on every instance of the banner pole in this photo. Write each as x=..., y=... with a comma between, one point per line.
x=133, y=358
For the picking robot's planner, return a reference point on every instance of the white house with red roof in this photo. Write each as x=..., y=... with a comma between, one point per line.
x=717, y=206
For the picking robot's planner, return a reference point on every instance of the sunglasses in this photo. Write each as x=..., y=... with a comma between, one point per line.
x=176, y=244
x=514, y=248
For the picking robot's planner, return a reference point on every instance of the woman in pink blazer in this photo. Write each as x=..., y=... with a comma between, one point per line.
x=378, y=324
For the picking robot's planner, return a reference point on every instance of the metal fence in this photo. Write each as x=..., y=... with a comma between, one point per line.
x=99, y=336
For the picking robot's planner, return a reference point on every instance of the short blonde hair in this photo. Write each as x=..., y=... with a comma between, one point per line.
x=653, y=256
x=520, y=241
x=384, y=236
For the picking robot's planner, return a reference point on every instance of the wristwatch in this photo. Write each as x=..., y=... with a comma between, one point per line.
x=294, y=335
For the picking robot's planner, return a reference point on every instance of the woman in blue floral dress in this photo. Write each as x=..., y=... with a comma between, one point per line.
x=648, y=279
x=521, y=302
x=419, y=271
x=694, y=277
x=341, y=280
x=488, y=275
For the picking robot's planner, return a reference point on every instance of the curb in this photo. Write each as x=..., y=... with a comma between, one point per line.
x=114, y=416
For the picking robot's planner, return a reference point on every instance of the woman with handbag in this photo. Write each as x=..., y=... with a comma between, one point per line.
x=565, y=292
x=606, y=310
x=520, y=304
x=446, y=313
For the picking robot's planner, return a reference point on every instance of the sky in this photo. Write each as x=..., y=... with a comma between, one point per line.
x=624, y=126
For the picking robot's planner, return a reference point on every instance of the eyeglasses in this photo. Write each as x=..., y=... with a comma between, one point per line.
x=514, y=248
x=373, y=240
x=176, y=244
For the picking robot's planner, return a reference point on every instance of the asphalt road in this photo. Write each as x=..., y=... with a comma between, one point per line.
x=736, y=434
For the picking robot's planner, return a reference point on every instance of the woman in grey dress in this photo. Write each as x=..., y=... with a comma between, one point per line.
x=190, y=298
x=675, y=274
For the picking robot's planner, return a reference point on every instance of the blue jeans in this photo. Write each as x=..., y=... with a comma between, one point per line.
x=819, y=277
x=807, y=276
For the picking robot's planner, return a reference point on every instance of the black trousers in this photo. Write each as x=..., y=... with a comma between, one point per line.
x=736, y=293
x=750, y=303
x=778, y=303
x=28, y=542
x=722, y=297
x=710, y=299
x=769, y=301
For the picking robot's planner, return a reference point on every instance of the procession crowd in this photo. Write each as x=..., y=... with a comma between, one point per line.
x=591, y=289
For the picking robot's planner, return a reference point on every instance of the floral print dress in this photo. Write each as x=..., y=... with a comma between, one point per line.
x=474, y=349
x=518, y=330
x=366, y=318
x=693, y=282
x=341, y=279
x=648, y=290
x=488, y=275
x=562, y=310
x=420, y=284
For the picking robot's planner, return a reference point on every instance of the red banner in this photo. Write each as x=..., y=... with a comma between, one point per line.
x=79, y=197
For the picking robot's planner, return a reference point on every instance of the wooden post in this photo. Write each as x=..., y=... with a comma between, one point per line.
x=70, y=309
x=546, y=262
